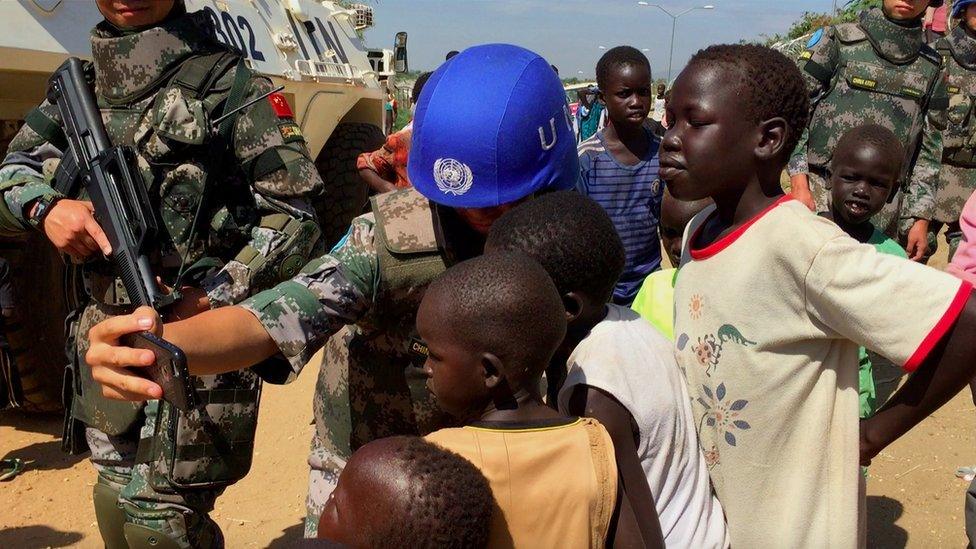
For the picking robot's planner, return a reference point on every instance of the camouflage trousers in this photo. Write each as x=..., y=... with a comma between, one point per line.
x=324, y=468
x=113, y=433
x=887, y=220
x=182, y=516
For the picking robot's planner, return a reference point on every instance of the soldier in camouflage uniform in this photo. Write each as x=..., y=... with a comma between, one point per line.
x=958, y=176
x=235, y=219
x=475, y=154
x=877, y=70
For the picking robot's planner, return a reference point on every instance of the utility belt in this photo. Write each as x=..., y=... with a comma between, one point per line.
x=963, y=157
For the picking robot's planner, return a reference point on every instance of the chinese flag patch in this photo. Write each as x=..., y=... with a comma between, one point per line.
x=280, y=105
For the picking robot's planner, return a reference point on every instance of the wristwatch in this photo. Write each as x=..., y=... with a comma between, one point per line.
x=43, y=205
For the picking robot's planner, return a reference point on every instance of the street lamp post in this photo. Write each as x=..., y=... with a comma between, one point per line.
x=674, y=24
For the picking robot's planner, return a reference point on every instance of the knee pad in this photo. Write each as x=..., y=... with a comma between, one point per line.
x=141, y=537
x=110, y=516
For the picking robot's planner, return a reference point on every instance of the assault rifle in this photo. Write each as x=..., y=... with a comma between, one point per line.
x=109, y=176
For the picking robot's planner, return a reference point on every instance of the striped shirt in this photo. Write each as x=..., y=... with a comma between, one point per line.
x=631, y=195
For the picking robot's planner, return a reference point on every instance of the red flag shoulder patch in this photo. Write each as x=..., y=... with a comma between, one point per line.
x=280, y=105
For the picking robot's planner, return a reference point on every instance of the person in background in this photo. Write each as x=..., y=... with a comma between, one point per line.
x=619, y=165
x=450, y=54
x=963, y=264
x=655, y=299
x=392, y=111
x=935, y=22
x=876, y=70
x=406, y=492
x=957, y=179
x=864, y=174
x=591, y=115
x=657, y=113
x=385, y=169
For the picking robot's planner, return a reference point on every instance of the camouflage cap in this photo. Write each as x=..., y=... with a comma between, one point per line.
x=491, y=127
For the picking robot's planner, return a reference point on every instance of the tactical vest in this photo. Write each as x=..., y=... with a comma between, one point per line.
x=959, y=137
x=182, y=163
x=868, y=88
x=385, y=389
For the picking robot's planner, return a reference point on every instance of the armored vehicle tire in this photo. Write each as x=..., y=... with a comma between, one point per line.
x=45, y=291
x=345, y=195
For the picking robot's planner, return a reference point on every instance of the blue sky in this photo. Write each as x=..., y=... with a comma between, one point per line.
x=569, y=32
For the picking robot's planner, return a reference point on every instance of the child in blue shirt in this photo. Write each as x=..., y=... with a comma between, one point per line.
x=619, y=165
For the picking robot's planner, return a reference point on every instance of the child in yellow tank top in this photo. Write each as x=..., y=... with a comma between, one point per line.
x=491, y=325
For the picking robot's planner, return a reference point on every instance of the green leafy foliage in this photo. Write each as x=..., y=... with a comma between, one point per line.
x=811, y=21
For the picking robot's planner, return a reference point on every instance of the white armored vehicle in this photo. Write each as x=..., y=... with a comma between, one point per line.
x=314, y=48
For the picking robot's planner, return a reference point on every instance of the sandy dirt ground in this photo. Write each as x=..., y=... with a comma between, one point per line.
x=914, y=498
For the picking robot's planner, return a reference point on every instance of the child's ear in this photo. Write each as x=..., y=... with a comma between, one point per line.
x=772, y=138
x=599, y=97
x=573, y=304
x=492, y=368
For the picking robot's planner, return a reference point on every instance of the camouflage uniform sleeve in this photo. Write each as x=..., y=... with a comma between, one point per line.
x=818, y=63
x=334, y=290
x=26, y=171
x=919, y=201
x=283, y=178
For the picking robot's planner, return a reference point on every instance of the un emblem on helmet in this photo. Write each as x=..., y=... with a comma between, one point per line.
x=452, y=176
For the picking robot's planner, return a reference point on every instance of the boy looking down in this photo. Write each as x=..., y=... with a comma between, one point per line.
x=491, y=325
x=406, y=492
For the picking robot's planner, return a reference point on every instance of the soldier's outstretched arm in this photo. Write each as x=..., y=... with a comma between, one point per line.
x=243, y=343
x=288, y=323
x=282, y=179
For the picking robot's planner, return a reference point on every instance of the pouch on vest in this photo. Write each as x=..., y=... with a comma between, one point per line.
x=211, y=446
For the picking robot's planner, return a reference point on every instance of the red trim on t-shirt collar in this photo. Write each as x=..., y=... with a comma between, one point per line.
x=947, y=321
x=727, y=240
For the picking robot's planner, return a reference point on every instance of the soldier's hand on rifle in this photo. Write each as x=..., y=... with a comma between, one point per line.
x=70, y=225
x=193, y=301
x=918, y=240
x=111, y=364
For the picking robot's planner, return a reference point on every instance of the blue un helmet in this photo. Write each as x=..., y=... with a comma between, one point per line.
x=491, y=127
x=959, y=8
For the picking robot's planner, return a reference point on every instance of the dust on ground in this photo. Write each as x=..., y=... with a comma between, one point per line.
x=914, y=498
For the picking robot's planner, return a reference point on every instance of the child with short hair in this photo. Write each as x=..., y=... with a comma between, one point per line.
x=491, y=325
x=772, y=304
x=619, y=165
x=622, y=372
x=406, y=492
x=655, y=299
x=864, y=173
